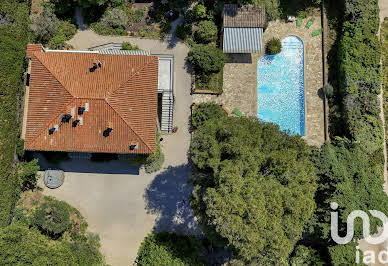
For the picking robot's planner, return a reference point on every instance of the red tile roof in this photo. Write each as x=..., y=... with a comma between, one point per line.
x=121, y=94
x=31, y=48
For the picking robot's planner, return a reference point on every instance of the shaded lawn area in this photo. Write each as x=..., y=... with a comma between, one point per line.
x=13, y=41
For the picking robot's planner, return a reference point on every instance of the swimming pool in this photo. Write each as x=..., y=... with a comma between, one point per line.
x=280, y=85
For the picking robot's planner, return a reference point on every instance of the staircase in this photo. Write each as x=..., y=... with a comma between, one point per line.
x=167, y=111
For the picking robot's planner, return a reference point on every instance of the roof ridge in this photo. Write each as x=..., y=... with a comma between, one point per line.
x=118, y=113
x=53, y=74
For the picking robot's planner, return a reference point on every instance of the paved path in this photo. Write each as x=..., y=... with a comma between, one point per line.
x=123, y=208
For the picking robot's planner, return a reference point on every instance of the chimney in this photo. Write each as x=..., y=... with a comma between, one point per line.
x=107, y=132
x=132, y=145
x=66, y=118
x=81, y=110
x=75, y=123
x=51, y=130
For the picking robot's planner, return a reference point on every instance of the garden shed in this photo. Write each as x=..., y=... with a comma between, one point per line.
x=243, y=28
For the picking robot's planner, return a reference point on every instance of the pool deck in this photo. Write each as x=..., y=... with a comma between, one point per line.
x=240, y=78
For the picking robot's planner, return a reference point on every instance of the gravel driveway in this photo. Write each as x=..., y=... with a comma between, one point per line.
x=123, y=207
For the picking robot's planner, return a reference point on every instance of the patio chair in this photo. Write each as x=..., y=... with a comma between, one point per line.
x=316, y=33
x=237, y=112
x=299, y=22
x=310, y=22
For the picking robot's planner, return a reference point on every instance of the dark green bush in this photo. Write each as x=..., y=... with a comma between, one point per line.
x=206, y=111
x=115, y=18
x=57, y=42
x=182, y=31
x=199, y=12
x=169, y=249
x=52, y=218
x=328, y=90
x=155, y=161
x=274, y=46
x=207, y=32
x=102, y=29
x=129, y=46
x=206, y=59
x=27, y=172
x=20, y=148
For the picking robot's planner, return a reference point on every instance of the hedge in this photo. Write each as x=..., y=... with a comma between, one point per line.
x=13, y=43
x=360, y=74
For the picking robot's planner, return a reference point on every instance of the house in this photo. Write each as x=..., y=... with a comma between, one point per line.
x=89, y=101
x=243, y=28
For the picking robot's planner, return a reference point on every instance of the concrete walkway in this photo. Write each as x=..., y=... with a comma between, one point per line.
x=123, y=208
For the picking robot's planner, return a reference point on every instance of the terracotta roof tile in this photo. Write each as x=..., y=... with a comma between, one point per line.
x=31, y=48
x=121, y=95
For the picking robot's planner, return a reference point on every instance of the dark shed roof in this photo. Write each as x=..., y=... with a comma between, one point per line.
x=244, y=17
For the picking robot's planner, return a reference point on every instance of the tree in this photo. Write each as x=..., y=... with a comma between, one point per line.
x=20, y=245
x=345, y=177
x=206, y=59
x=27, y=172
x=305, y=256
x=115, y=18
x=168, y=249
x=52, y=217
x=206, y=111
x=274, y=46
x=199, y=12
x=45, y=25
x=254, y=187
x=206, y=32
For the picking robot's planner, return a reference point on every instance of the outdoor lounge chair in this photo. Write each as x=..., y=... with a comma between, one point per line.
x=237, y=112
x=310, y=22
x=316, y=33
x=299, y=22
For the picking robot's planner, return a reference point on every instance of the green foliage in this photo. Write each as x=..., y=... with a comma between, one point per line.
x=20, y=148
x=20, y=245
x=155, y=161
x=384, y=39
x=102, y=29
x=45, y=26
x=13, y=41
x=274, y=46
x=303, y=255
x=254, y=187
x=115, y=18
x=344, y=255
x=206, y=111
x=27, y=172
x=206, y=59
x=199, y=12
x=328, y=90
x=345, y=177
x=57, y=42
x=66, y=29
x=359, y=73
x=129, y=46
x=206, y=32
x=52, y=218
x=182, y=31
x=211, y=82
x=168, y=249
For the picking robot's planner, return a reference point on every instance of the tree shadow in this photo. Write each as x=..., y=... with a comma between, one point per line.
x=168, y=197
x=239, y=58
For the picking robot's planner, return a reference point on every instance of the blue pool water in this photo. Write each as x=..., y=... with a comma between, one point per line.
x=280, y=84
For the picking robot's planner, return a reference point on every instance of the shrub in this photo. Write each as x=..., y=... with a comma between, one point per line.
x=328, y=90
x=102, y=29
x=206, y=111
x=155, y=161
x=45, y=26
x=27, y=172
x=57, y=42
x=52, y=217
x=66, y=29
x=274, y=46
x=206, y=32
x=182, y=31
x=169, y=249
x=115, y=18
x=20, y=148
x=129, y=46
x=199, y=12
x=206, y=59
